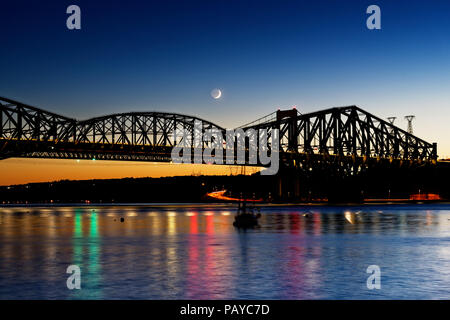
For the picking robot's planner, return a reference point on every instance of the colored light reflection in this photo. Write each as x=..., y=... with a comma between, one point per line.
x=209, y=224
x=317, y=223
x=172, y=224
x=204, y=273
x=193, y=228
x=294, y=226
x=78, y=238
x=92, y=266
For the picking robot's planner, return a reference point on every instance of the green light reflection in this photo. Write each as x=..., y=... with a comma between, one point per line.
x=90, y=267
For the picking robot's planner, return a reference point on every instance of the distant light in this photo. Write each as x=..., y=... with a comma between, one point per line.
x=93, y=159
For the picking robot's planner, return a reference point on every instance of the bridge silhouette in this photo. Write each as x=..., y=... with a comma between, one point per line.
x=345, y=138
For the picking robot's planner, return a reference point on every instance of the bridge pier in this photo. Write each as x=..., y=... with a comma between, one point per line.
x=280, y=187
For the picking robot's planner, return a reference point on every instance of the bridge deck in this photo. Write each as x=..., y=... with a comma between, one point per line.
x=348, y=134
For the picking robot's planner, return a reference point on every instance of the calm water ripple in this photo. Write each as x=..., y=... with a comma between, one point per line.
x=194, y=252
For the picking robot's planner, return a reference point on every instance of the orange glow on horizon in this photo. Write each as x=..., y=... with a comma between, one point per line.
x=22, y=171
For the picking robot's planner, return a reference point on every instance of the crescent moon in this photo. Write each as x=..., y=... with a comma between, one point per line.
x=216, y=93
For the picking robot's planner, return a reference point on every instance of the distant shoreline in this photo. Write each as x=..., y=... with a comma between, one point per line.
x=222, y=204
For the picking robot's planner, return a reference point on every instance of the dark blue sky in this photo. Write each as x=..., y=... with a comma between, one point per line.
x=169, y=55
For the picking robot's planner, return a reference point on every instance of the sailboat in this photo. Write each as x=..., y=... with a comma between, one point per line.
x=245, y=217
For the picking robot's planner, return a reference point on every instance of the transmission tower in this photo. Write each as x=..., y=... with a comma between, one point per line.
x=410, y=127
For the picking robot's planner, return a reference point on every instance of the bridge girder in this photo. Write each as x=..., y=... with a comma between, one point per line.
x=348, y=131
x=351, y=132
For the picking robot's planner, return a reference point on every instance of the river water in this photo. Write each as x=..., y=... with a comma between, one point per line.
x=194, y=252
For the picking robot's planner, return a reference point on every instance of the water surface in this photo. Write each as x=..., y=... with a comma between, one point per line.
x=194, y=252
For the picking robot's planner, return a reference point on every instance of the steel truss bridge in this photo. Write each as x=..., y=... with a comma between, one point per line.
x=347, y=138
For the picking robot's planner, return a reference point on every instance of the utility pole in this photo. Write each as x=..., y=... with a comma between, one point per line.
x=410, y=119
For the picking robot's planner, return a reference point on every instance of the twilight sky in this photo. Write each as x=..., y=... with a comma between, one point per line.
x=168, y=55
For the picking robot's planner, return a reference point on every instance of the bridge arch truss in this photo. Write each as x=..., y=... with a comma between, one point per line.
x=336, y=133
